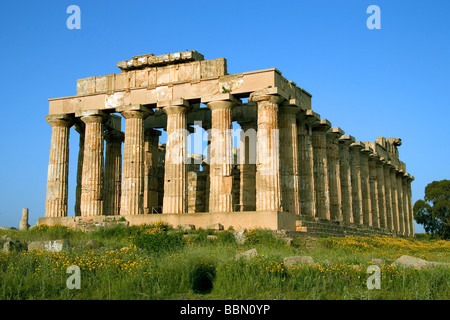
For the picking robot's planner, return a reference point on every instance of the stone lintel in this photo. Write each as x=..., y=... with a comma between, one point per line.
x=173, y=103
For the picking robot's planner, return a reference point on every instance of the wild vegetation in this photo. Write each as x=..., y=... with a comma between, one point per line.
x=160, y=262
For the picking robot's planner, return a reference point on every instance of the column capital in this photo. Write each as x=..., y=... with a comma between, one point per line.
x=346, y=140
x=135, y=111
x=174, y=106
x=150, y=132
x=273, y=95
x=60, y=120
x=79, y=126
x=357, y=144
x=336, y=131
x=112, y=135
x=309, y=117
x=220, y=101
x=323, y=125
x=292, y=106
x=92, y=116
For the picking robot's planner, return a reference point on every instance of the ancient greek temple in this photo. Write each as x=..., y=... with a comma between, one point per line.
x=290, y=170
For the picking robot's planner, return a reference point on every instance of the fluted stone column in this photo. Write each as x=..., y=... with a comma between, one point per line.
x=388, y=199
x=381, y=194
x=394, y=199
x=221, y=162
x=334, y=179
x=79, y=126
x=355, y=172
x=247, y=166
x=289, y=169
x=268, y=184
x=345, y=177
x=305, y=156
x=401, y=221
x=113, y=172
x=91, y=200
x=151, y=141
x=406, y=214
x=321, y=186
x=207, y=161
x=373, y=185
x=365, y=186
x=58, y=166
x=410, y=205
x=132, y=192
x=175, y=173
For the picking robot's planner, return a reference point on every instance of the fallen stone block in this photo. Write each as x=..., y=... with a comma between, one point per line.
x=298, y=260
x=247, y=254
x=49, y=245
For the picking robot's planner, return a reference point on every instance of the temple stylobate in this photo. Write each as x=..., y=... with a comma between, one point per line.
x=291, y=170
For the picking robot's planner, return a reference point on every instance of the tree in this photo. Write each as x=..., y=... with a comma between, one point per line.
x=434, y=211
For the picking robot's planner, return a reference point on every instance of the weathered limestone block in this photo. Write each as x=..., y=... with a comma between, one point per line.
x=252, y=253
x=297, y=260
x=58, y=166
x=52, y=245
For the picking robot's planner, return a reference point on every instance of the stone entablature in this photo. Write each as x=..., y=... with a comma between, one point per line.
x=292, y=163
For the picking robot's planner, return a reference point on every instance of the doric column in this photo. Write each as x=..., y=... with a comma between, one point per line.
x=132, y=192
x=381, y=192
x=175, y=173
x=365, y=186
x=345, y=177
x=113, y=171
x=394, y=198
x=387, y=194
x=355, y=172
x=247, y=166
x=305, y=121
x=289, y=170
x=79, y=127
x=334, y=178
x=401, y=221
x=406, y=214
x=221, y=162
x=206, y=162
x=268, y=185
x=151, y=141
x=91, y=200
x=373, y=185
x=58, y=166
x=321, y=186
x=410, y=204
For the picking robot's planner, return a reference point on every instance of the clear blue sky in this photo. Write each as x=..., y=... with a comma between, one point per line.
x=392, y=82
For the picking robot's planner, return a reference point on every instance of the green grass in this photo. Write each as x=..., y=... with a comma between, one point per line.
x=157, y=262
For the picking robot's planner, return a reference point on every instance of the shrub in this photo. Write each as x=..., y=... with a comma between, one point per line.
x=157, y=241
x=203, y=276
x=55, y=231
x=261, y=237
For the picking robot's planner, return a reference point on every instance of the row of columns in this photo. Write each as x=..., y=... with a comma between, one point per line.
x=303, y=166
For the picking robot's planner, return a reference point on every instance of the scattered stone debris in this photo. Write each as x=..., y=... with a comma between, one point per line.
x=247, y=254
x=298, y=260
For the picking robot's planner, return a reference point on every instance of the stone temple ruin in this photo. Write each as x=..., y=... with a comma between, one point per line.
x=292, y=169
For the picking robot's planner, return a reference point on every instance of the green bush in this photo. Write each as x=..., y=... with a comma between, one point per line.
x=261, y=237
x=46, y=232
x=158, y=241
x=203, y=276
